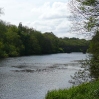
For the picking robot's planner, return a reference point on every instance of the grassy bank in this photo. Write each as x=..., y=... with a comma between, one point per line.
x=84, y=91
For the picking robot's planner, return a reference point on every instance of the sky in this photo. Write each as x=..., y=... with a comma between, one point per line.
x=42, y=15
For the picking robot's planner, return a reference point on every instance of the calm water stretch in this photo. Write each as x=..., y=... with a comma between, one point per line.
x=31, y=77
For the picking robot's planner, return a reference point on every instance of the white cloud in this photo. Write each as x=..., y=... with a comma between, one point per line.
x=56, y=10
x=51, y=16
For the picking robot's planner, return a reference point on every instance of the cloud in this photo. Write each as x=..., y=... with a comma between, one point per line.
x=54, y=11
x=48, y=17
x=53, y=18
x=59, y=27
x=57, y=10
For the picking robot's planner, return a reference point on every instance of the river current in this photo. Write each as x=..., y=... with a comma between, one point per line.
x=30, y=77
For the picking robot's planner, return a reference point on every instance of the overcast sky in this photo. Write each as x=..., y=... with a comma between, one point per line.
x=42, y=15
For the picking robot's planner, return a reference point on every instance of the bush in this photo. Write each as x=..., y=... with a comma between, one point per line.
x=83, y=91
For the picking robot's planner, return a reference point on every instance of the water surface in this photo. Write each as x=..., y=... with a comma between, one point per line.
x=31, y=77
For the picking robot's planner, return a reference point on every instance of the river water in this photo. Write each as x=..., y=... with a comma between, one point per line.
x=31, y=77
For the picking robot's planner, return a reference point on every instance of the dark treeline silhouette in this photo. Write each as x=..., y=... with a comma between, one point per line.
x=22, y=40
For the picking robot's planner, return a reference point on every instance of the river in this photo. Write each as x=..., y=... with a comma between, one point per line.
x=31, y=77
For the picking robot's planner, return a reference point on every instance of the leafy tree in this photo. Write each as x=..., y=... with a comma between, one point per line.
x=89, y=10
x=13, y=44
x=87, y=14
x=2, y=39
x=73, y=45
x=22, y=40
x=20, y=28
x=94, y=49
x=94, y=46
x=40, y=38
x=47, y=46
x=2, y=51
x=33, y=45
x=3, y=30
x=52, y=41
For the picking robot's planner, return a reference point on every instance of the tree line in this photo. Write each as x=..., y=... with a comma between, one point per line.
x=23, y=41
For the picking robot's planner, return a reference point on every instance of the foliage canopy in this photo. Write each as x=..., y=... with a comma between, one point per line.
x=21, y=40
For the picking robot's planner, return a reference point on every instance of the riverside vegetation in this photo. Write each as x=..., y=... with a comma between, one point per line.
x=84, y=91
x=23, y=41
x=87, y=90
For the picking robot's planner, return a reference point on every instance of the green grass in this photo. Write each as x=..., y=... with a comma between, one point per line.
x=83, y=91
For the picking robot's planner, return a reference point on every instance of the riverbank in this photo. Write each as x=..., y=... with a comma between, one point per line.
x=83, y=91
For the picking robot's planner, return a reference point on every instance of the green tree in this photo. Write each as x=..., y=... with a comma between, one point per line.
x=51, y=42
x=40, y=38
x=88, y=11
x=3, y=30
x=33, y=45
x=73, y=45
x=13, y=44
x=94, y=46
x=94, y=49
